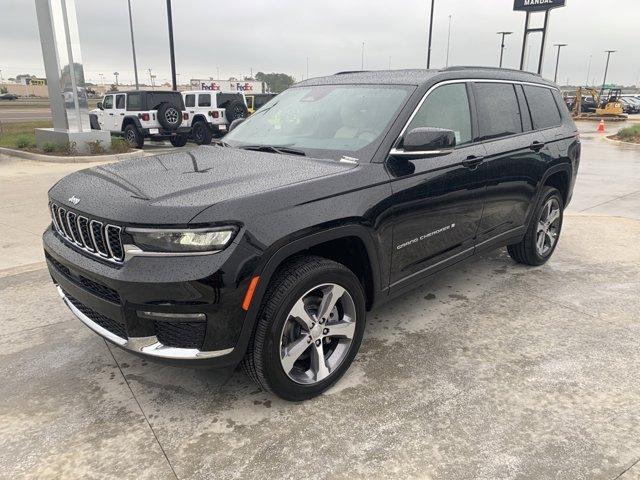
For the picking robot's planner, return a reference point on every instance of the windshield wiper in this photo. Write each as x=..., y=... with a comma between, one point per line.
x=274, y=149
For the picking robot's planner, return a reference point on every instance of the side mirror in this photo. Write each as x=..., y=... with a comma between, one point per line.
x=100, y=105
x=235, y=123
x=428, y=139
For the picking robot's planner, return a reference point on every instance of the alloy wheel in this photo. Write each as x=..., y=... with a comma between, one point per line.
x=548, y=227
x=317, y=333
x=171, y=115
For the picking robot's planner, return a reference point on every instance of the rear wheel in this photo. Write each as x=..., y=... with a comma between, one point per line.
x=133, y=136
x=201, y=133
x=178, y=140
x=309, y=328
x=542, y=236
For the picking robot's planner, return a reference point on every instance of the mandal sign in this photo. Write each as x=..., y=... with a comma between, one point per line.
x=537, y=5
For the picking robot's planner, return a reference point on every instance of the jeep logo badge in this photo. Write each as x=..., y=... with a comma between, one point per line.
x=75, y=200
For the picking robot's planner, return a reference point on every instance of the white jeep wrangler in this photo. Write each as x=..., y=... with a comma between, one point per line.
x=209, y=114
x=141, y=114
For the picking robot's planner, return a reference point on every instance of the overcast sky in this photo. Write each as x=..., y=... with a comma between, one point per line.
x=279, y=35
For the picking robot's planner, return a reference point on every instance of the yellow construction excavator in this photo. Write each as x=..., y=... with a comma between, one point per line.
x=606, y=105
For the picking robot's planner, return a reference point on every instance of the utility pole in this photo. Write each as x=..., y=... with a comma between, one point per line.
x=362, y=59
x=430, y=35
x=504, y=34
x=588, y=70
x=174, y=80
x=448, y=42
x=606, y=69
x=133, y=47
x=115, y=74
x=559, y=45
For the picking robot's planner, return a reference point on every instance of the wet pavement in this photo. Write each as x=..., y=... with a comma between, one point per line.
x=492, y=370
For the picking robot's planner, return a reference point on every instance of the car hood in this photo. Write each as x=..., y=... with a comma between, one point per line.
x=173, y=188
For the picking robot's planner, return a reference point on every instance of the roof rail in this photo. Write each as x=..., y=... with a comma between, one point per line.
x=471, y=67
x=351, y=71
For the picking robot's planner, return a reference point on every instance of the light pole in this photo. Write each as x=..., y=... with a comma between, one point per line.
x=151, y=77
x=588, y=70
x=606, y=69
x=389, y=62
x=115, y=74
x=362, y=58
x=133, y=47
x=307, y=68
x=559, y=45
x=101, y=79
x=172, y=54
x=504, y=34
x=448, y=42
x=430, y=35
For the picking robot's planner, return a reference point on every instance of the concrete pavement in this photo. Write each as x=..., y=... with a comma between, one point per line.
x=492, y=370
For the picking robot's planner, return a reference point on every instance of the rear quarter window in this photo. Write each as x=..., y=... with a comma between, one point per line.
x=190, y=100
x=543, y=108
x=134, y=102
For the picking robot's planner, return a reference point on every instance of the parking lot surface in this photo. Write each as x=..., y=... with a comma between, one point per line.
x=491, y=370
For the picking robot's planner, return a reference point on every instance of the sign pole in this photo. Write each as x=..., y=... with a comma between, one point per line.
x=544, y=39
x=524, y=40
x=529, y=6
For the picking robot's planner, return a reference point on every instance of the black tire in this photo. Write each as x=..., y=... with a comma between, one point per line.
x=526, y=252
x=201, y=133
x=178, y=140
x=93, y=121
x=169, y=116
x=299, y=275
x=236, y=109
x=132, y=136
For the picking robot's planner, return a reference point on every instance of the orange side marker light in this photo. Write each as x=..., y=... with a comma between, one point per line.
x=249, y=295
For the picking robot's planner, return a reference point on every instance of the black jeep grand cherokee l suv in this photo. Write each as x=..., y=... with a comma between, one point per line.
x=340, y=193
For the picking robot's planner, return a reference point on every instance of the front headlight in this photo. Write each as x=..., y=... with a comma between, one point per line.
x=183, y=240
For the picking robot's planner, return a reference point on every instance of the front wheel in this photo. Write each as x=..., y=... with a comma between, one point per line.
x=541, y=238
x=309, y=328
x=178, y=140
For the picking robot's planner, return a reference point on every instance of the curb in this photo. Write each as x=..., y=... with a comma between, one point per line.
x=621, y=142
x=38, y=157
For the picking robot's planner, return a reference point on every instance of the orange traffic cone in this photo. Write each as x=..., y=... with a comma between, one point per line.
x=600, y=127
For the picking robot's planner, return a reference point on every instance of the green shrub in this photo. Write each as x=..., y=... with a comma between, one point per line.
x=95, y=147
x=119, y=145
x=49, y=147
x=67, y=148
x=629, y=132
x=24, y=141
x=3, y=90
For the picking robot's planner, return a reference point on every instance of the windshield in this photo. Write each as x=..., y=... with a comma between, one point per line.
x=327, y=121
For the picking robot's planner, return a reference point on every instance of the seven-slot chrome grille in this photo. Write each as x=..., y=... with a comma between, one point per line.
x=92, y=236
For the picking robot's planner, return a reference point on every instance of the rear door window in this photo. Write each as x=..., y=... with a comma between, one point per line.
x=446, y=107
x=120, y=101
x=498, y=111
x=204, y=100
x=543, y=108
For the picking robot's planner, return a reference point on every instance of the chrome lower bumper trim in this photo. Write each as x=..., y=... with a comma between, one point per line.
x=146, y=345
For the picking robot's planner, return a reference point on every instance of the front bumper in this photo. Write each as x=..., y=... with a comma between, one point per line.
x=149, y=346
x=177, y=310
